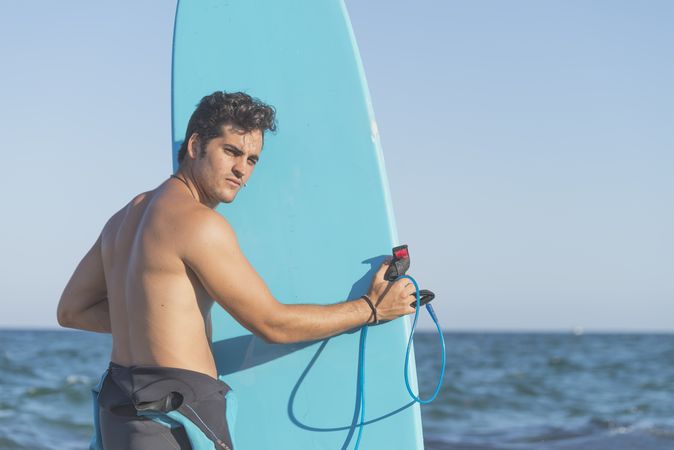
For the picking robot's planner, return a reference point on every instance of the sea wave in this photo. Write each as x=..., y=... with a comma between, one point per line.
x=500, y=391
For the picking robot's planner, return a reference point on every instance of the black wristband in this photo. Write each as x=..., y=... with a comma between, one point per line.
x=372, y=307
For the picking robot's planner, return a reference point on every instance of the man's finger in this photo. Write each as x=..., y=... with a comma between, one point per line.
x=383, y=268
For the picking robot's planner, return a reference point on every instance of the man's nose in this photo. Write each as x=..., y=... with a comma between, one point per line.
x=239, y=168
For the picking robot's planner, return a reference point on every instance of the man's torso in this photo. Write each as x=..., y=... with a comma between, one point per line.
x=159, y=311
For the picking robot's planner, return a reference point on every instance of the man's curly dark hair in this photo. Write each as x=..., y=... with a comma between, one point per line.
x=238, y=109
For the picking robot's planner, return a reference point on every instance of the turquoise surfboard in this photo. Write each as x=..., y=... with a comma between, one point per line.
x=315, y=221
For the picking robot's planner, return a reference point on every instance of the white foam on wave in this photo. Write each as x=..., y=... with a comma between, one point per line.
x=77, y=379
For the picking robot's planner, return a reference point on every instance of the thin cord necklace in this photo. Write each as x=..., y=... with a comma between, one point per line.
x=185, y=183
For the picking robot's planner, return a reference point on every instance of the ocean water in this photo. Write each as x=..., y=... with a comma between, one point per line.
x=501, y=391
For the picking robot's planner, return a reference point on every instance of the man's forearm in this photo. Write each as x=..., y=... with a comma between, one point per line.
x=95, y=318
x=297, y=323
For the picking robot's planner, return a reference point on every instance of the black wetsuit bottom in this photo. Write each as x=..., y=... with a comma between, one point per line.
x=129, y=396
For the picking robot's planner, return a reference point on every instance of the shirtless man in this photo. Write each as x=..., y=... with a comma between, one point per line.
x=162, y=260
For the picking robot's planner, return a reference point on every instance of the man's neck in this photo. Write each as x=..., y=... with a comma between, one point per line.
x=185, y=175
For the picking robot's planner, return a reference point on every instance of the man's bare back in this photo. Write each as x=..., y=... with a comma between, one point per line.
x=159, y=311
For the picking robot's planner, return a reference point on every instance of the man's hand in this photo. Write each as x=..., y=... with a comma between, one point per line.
x=392, y=299
x=84, y=302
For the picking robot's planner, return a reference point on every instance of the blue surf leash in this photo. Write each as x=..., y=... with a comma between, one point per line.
x=397, y=270
x=431, y=312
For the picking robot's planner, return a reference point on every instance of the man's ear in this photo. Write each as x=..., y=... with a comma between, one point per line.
x=193, y=146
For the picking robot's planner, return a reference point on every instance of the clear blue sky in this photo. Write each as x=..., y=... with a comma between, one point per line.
x=529, y=145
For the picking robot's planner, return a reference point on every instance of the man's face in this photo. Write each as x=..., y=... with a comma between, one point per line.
x=226, y=163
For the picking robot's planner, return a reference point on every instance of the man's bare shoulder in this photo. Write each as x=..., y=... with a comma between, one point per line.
x=204, y=225
x=114, y=220
x=192, y=225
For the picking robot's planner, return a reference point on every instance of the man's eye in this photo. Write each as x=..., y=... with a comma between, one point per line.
x=252, y=161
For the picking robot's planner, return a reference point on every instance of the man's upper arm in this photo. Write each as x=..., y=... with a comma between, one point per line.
x=214, y=255
x=86, y=286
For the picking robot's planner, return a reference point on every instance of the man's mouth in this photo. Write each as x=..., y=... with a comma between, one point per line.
x=234, y=182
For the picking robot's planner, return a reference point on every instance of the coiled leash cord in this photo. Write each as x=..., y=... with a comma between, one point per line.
x=429, y=308
x=361, y=362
